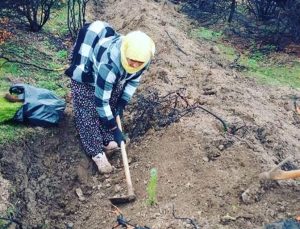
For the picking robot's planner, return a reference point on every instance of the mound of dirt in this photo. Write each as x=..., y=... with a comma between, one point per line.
x=204, y=173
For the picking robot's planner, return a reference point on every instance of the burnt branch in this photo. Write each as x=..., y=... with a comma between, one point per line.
x=151, y=111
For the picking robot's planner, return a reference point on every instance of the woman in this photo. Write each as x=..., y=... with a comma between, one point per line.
x=105, y=71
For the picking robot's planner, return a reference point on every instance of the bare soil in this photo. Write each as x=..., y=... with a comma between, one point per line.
x=202, y=171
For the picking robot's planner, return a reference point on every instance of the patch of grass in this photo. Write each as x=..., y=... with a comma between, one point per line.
x=257, y=63
x=8, y=109
x=9, y=68
x=277, y=75
x=62, y=54
x=228, y=51
x=13, y=132
x=270, y=72
x=206, y=34
x=10, y=132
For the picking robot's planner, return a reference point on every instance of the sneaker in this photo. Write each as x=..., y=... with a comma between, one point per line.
x=111, y=148
x=102, y=163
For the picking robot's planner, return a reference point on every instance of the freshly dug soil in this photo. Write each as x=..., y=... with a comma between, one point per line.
x=204, y=173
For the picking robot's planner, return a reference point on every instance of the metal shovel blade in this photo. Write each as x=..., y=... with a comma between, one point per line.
x=122, y=199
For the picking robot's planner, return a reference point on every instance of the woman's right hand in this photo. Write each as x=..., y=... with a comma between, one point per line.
x=118, y=136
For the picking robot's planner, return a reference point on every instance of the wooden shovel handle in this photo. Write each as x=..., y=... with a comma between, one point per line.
x=283, y=175
x=279, y=174
x=125, y=162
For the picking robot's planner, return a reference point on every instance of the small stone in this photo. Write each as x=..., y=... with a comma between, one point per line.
x=117, y=188
x=227, y=218
x=129, y=160
x=221, y=147
x=189, y=185
x=246, y=196
x=282, y=209
x=108, y=180
x=80, y=194
x=206, y=159
x=157, y=214
x=173, y=196
x=69, y=225
x=108, y=185
x=99, y=186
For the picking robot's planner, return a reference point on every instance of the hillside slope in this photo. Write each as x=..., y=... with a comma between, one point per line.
x=202, y=171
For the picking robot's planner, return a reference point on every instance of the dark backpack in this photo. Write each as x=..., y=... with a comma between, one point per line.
x=41, y=107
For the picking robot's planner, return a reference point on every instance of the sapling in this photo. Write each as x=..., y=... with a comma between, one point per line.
x=151, y=188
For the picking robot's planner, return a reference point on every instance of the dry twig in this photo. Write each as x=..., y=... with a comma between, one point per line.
x=29, y=64
x=174, y=42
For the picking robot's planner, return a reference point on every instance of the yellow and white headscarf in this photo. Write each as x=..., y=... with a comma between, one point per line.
x=137, y=46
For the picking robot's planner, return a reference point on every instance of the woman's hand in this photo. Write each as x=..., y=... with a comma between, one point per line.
x=118, y=136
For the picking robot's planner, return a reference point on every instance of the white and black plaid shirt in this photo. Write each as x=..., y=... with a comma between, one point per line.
x=96, y=60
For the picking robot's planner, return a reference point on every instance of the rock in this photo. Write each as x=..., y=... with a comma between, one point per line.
x=252, y=194
x=246, y=198
x=117, y=188
x=227, y=218
x=282, y=209
x=80, y=194
x=69, y=225
x=221, y=147
x=206, y=159
x=108, y=180
x=188, y=185
x=99, y=186
x=130, y=160
x=157, y=214
x=173, y=196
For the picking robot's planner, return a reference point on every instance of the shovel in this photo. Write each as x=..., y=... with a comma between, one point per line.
x=131, y=196
x=277, y=174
